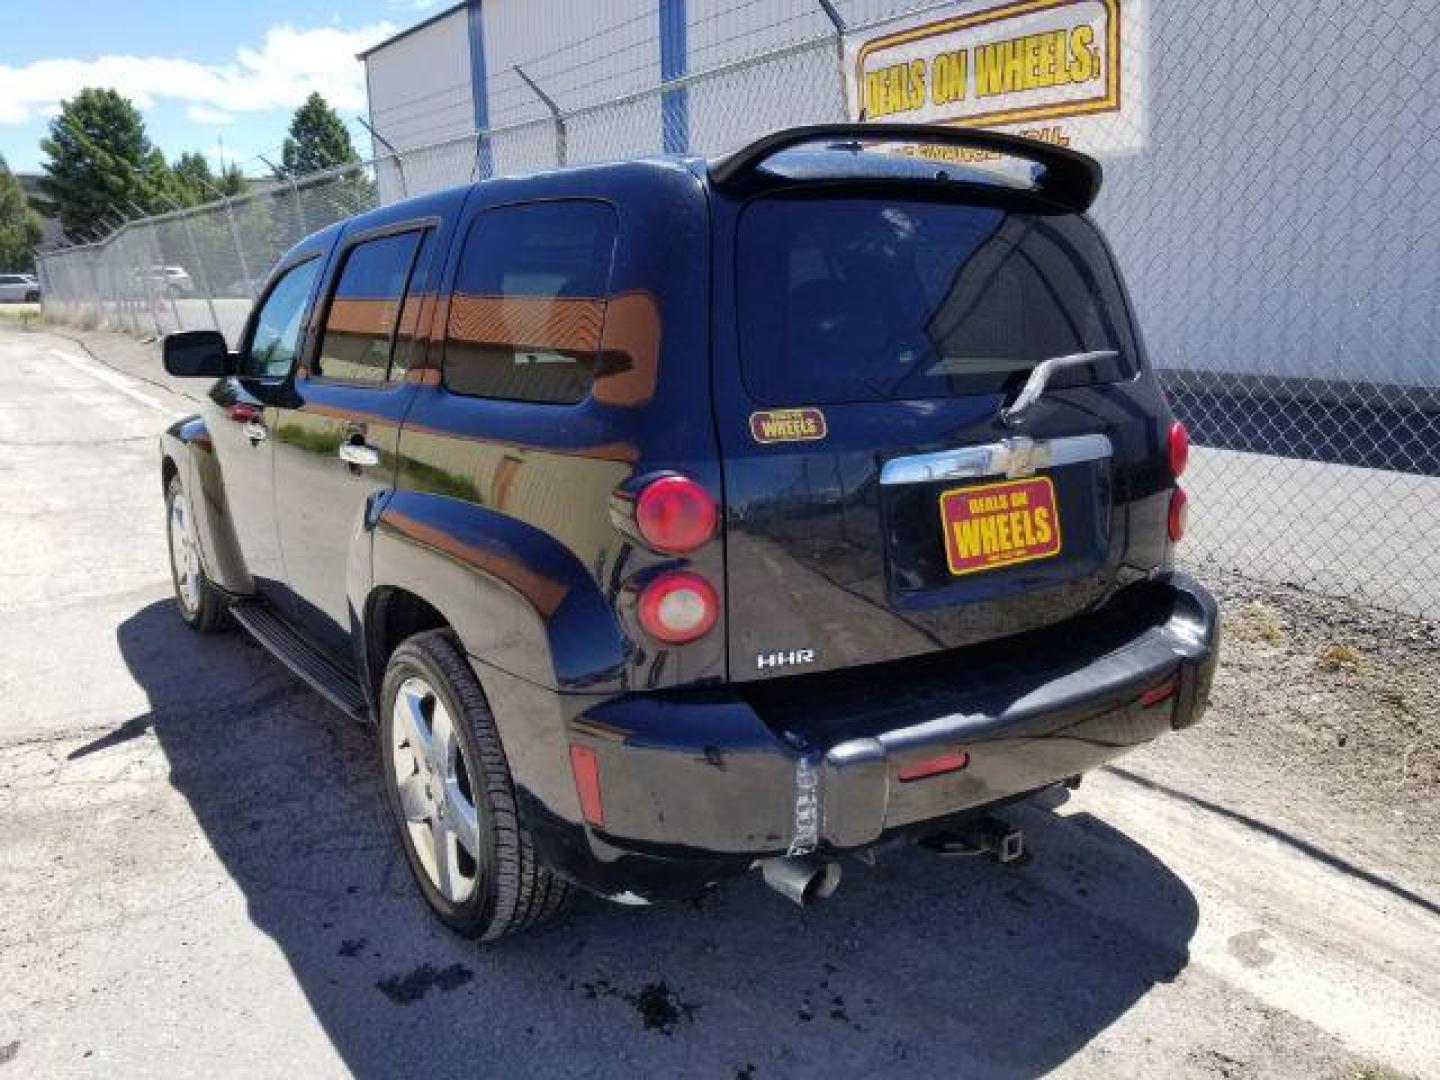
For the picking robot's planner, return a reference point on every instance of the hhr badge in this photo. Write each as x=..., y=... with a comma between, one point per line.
x=790, y=658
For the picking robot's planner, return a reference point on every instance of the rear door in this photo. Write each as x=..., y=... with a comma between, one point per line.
x=335, y=439
x=877, y=506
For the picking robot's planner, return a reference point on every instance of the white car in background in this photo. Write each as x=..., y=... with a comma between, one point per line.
x=19, y=289
x=169, y=279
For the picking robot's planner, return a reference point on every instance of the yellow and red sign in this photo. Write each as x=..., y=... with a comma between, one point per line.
x=989, y=526
x=787, y=425
x=1025, y=65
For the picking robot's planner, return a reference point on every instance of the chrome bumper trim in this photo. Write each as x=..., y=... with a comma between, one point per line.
x=1018, y=456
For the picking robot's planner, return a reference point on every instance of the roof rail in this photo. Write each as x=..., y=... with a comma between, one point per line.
x=1070, y=178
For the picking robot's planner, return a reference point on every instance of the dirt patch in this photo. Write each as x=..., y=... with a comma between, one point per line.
x=1324, y=716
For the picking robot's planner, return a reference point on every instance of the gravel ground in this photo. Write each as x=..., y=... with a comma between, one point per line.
x=1325, y=717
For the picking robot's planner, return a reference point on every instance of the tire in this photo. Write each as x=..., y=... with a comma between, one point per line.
x=200, y=604
x=457, y=782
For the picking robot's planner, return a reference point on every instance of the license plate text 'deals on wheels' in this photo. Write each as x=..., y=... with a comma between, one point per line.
x=990, y=526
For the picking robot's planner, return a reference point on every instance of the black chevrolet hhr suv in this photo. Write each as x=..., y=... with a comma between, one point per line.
x=672, y=518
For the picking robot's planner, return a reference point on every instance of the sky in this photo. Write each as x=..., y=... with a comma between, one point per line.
x=200, y=71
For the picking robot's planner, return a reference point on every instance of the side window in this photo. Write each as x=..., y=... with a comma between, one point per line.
x=529, y=302
x=277, y=327
x=360, y=324
x=415, y=312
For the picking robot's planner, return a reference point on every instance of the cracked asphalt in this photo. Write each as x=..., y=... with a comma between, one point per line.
x=196, y=876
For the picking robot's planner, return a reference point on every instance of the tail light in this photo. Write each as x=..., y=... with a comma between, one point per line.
x=678, y=607
x=1178, y=450
x=1179, y=514
x=675, y=514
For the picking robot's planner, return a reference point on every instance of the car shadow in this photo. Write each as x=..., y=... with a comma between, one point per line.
x=918, y=963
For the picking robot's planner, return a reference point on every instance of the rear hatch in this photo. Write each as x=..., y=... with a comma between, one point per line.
x=869, y=334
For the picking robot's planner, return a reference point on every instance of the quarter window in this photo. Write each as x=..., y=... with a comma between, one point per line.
x=277, y=326
x=529, y=302
x=361, y=322
x=414, y=313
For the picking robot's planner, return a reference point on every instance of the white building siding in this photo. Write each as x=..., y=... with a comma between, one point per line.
x=580, y=53
x=420, y=87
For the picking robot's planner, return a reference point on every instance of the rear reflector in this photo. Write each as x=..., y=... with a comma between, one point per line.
x=677, y=607
x=586, y=767
x=1179, y=515
x=1178, y=451
x=1157, y=694
x=945, y=763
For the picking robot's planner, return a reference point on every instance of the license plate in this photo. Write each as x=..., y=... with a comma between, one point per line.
x=991, y=526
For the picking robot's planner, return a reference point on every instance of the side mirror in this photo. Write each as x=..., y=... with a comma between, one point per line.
x=198, y=354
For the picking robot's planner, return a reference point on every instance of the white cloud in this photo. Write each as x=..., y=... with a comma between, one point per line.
x=284, y=70
x=203, y=114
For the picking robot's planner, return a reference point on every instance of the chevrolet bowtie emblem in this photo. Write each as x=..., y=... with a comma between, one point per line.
x=1020, y=456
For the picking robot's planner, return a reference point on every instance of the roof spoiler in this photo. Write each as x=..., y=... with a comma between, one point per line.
x=1070, y=178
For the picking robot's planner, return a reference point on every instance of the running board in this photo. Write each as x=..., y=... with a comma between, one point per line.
x=278, y=637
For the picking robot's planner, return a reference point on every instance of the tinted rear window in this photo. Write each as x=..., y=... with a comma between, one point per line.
x=876, y=299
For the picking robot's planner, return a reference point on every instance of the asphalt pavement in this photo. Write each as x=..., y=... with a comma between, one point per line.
x=197, y=877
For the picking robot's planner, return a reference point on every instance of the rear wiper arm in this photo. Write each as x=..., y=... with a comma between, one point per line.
x=1040, y=378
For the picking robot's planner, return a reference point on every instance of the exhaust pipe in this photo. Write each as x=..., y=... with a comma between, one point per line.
x=805, y=881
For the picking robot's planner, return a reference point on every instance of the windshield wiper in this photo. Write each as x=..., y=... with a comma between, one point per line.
x=1039, y=379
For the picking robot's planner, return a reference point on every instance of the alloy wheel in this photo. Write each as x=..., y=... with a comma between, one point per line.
x=437, y=798
x=185, y=555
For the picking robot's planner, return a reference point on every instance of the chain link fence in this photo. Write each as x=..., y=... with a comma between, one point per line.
x=1272, y=202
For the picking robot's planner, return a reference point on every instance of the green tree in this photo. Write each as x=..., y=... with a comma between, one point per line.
x=100, y=161
x=195, y=183
x=232, y=181
x=317, y=140
x=19, y=225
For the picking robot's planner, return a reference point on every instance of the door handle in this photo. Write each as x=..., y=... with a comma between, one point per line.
x=359, y=454
x=242, y=412
x=251, y=419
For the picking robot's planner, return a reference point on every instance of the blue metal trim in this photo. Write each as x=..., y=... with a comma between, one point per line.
x=674, y=103
x=479, y=88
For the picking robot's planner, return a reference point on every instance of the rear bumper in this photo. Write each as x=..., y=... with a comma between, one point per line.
x=721, y=777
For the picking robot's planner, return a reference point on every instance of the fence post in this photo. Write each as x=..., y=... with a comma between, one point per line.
x=124, y=287
x=147, y=277
x=555, y=114
x=195, y=251
x=239, y=248
x=838, y=22
x=399, y=158
x=235, y=235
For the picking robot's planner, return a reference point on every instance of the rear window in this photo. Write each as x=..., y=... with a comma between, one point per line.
x=883, y=299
